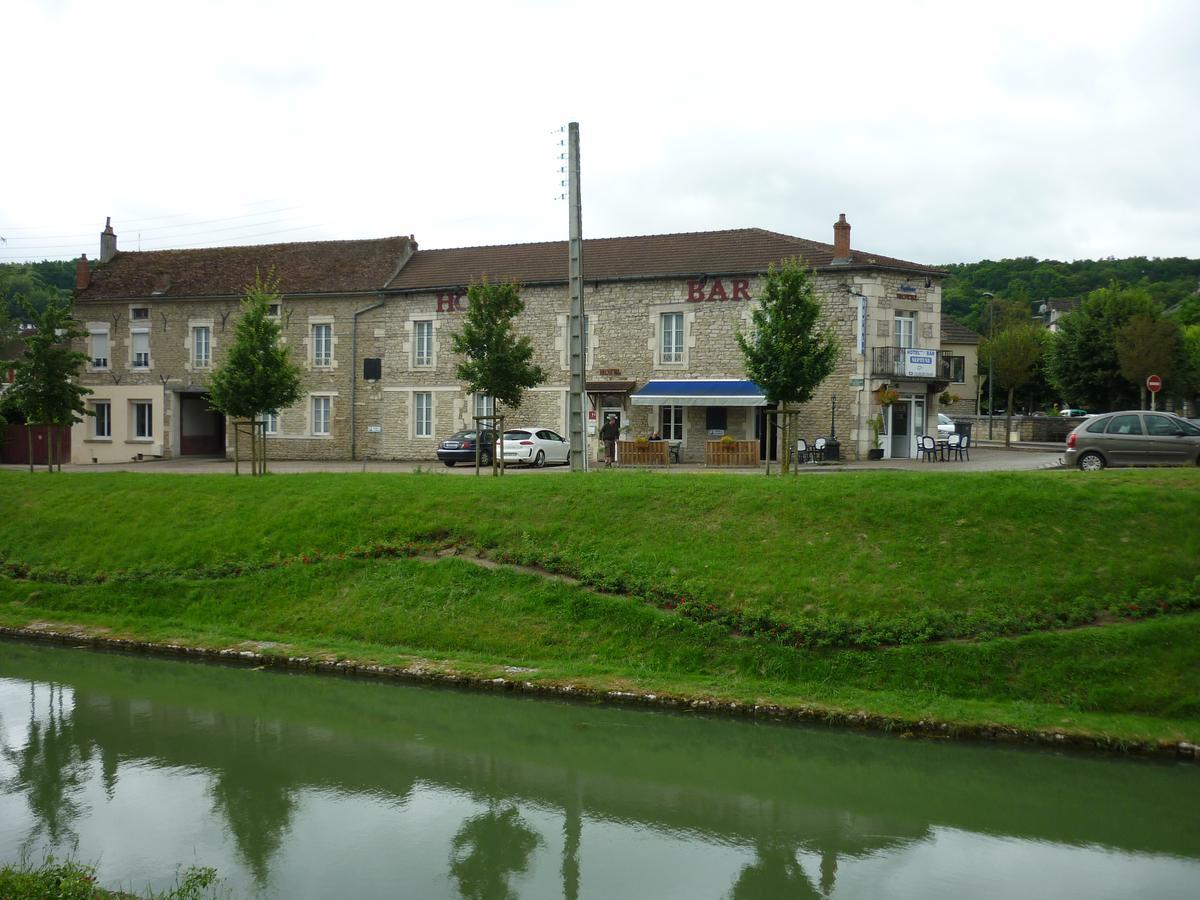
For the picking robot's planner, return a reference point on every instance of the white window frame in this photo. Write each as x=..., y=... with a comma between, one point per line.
x=136, y=356
x=201, y=340
x=667, y=428
x=485, y=405
x=322, y=415
x=322, y=345
x=675, y=355
x=105, y=420
x=99, y=363
x=906, y=329
x=964, y=369
x=423, y=424
x=136, y=419
x=270, y=422
x=422, y=343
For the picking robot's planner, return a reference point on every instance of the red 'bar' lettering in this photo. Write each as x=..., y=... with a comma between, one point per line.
x=741, y=289
x=718, y=291
x=695, y=291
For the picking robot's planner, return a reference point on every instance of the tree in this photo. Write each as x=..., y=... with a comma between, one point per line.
x=1189, y=370
x=1014, y=356
x=1147, y=346
x=495, y=361
x=1083, y=363
x=45, y=389
x=257, y=375
x=789, y=351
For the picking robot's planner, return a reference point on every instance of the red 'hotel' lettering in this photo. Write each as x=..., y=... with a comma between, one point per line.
x=741, y=290
x=451, y=303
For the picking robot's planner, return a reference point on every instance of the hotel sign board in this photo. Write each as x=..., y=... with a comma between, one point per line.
x=920, y=363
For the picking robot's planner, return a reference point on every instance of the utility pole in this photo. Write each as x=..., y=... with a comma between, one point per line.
x=991, y=329
x=577, y=404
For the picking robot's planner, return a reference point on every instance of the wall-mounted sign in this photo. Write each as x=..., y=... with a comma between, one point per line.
x=374, y=429
x=856, y=381
x=455, y=302
x=610, y=373
x=702, y=291
x=920, y=363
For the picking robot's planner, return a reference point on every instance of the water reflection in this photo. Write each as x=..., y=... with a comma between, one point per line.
x=317, y=786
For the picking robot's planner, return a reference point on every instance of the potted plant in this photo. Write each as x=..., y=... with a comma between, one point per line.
x=876, y=423
x=888, y=396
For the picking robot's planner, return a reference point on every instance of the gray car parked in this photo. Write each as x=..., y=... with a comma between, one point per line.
x=1135, y=437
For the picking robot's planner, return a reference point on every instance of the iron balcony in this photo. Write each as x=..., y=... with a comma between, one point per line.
x=910, y=364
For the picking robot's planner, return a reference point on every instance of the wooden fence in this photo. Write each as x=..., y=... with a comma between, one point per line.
x=642, y=453
x=731, y=453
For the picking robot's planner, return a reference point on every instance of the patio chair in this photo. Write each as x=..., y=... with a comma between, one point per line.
x=818, y=450
x=953, y=442
x=963, y=448
x=927, y=448
x=803, y=453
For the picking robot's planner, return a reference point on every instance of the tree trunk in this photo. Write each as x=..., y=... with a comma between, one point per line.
x=264, y=450
x=29, y=442
x=49, y=449
x=1008, y=419
x=253, y=449
x=1142, y=392
x=236, y=449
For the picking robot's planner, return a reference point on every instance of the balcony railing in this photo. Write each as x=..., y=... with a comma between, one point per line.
x=910, y=363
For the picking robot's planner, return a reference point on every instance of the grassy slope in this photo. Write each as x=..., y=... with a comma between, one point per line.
x=837, y=543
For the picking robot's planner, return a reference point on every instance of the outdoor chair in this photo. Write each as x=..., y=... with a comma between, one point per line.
x=963, y=446
x=928, y=448
x=818, y=450
x=953, y=442
x=803, y=452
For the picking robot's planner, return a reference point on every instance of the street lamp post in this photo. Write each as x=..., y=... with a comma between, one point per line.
x=991, y=390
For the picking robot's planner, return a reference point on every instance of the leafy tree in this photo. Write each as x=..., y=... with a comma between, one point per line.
x=1014, y=356
x=495, y=361
x=1147, y=346
x=1189, y=380
x=788, y=352
x=1083, y=363
x=45, y=389
x=22, y=289
x=257, y=374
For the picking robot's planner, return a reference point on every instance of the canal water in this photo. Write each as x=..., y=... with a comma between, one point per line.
x=304, y=786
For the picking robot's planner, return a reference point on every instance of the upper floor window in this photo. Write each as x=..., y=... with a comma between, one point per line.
x=672, y=337
x=99, y=349
x=423, y=343
x=273, y=310
x=141, y=349
x=958, y=369
x=201, y=346
x=906, y=328
x=322, y=344
x=140, y=312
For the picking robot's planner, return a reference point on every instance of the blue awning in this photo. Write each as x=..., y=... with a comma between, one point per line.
x=699, y=393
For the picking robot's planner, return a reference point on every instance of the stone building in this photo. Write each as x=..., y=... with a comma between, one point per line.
x=370, y=323
x=961, y=346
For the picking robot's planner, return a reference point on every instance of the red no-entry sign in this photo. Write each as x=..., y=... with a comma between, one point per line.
x=1154, y=384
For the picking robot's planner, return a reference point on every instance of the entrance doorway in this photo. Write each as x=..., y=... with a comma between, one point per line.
x=905, y=423
x=201, y=428
x=766, y=432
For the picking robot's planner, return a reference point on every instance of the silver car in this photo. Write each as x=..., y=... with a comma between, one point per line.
x=1135, y=437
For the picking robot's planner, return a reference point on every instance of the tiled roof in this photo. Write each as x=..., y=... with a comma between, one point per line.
x=956, y=333
x=738, y=251
x=307, y=267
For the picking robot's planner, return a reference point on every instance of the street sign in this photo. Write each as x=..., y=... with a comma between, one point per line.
x=1154, y=384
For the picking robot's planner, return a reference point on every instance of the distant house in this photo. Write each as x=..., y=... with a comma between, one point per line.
x=961, y=346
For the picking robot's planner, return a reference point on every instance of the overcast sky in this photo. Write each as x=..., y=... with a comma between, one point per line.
x=947, y=132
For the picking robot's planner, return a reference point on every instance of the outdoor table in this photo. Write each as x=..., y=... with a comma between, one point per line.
x=943, y=449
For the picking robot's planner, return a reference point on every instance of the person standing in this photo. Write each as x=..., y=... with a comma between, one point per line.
x=609, y=434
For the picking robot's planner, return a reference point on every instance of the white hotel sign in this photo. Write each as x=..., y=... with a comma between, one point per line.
x=920, y=363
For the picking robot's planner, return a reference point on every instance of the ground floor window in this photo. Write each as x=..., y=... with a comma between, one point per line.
x=102, y=422
x=671, y=426
x=143, y=419
x=320, y=414
x=423, y=413
x=270, y=422
x=716, y=418
x=484, y=405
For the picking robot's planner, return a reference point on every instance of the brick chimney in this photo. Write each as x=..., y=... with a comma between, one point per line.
x=83, y=273
x=108, y=241
x=841, y=240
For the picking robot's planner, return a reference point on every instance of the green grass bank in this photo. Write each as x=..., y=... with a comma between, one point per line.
x=1049, y=601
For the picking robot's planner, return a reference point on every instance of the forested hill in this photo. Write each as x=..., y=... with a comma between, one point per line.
x=34, y=283
x=1169, y=281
